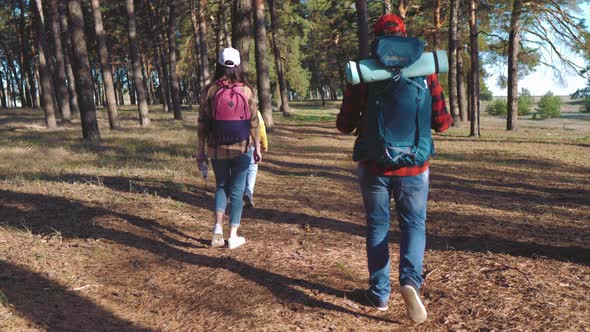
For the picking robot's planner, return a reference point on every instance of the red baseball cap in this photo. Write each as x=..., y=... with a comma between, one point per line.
x=389, y=23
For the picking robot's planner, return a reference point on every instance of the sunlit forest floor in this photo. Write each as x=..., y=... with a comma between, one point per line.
x=115, y=236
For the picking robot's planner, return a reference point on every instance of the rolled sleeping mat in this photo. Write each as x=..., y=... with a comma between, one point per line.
x=371, y=70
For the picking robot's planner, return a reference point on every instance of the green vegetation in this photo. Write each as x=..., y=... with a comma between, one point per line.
x=585, y=105
x=498, y=107
x=548, y=107
x=525, y=102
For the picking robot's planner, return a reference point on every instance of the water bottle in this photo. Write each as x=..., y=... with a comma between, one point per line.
x=204, y=169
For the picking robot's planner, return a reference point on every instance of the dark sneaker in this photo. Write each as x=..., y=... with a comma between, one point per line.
x=248, y=201
x=414, y=307
x=376, y=303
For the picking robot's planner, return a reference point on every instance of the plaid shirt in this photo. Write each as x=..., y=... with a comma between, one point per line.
x=204, y=129
x=355, y=100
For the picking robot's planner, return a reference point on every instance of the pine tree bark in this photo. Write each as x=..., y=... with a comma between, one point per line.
x=363, y=28
x=453, y=85
x=474, y=77
x=107, y=71
x=461, y=88
x=386, y=6
x=262, y=74
x=203, y=44
x=278, y=61
x=242, y=31
x=437, y=24
x=222, y=9
x=74, y=106
x=513, y=50
x=62, y=88
x=160, y=60
x=174, y=84
x=46, y=82
x=3, y=98
x=28, y=59
x=82, y=72
x=144, y=119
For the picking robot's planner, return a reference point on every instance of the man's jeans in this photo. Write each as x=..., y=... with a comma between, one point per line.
x=230, y=176
x=410, y=194
x=251, y=178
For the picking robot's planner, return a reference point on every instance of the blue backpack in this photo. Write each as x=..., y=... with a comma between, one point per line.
x=395, y=130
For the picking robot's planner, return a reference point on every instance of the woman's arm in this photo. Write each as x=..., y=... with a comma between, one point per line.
x=204, y=123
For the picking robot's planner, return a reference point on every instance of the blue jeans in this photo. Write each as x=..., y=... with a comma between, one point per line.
x=411, y=195
x=230, y=177
x=251, y=178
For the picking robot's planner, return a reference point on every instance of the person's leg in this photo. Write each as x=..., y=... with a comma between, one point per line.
x=375, y=191
x=411, y=196
x=250, y=181
x=221, y=170
x=238, y=173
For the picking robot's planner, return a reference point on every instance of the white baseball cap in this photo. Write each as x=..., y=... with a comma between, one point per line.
x=229, y=57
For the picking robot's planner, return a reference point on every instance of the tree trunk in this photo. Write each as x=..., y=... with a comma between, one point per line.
x=3, y=99
x=130, y=86
x=363, y=28
x=62, y=88
x=45, y=75
x=402, y=8
x=461, y=88
x=75, y=108
x=174, y=84
x=386, y=6
x=437, y=25
x=107, y=72
x=144, y=119
x=262, y=75
x=197, y=36
x=160, y=59
x=18, y=81
x=223, y=21
x=242, y=31
x=28, y=59
x=474, y=77
x=513, y=49
x=82, y=73
x=203, y=45
x=278, y=61
x=453, y=86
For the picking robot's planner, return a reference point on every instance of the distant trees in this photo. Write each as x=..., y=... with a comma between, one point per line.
x=164, y=52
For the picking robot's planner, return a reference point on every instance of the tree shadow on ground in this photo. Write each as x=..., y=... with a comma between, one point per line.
x=52, y=307
x=42, y=212
x=542, y=239
x=446, y=138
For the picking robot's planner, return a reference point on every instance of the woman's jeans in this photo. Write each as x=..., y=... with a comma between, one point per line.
x=230, y=176
x=410, y=194
x=251, y=178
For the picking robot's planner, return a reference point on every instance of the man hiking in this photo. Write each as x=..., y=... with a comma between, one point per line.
x=393, y=119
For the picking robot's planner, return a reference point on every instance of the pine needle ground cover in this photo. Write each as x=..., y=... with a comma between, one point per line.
x=114, y=236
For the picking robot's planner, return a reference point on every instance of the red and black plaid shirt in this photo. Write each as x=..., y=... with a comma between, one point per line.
x=355, y=100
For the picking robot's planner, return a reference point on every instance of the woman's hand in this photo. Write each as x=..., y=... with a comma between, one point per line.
x=201, y=157
x=257, y=156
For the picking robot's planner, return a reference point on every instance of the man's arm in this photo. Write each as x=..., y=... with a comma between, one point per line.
x=441, y=119
x=353, y=103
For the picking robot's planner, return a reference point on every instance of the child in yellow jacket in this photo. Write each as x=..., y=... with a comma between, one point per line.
x=253, y=169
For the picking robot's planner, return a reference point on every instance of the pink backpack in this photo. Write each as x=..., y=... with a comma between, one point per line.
x=231, y=114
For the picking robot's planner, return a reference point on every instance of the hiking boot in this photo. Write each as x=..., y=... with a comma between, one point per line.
x=375, y=302
x=248, y=201
x=414, y=307
x=217, y=240
x=235, y=242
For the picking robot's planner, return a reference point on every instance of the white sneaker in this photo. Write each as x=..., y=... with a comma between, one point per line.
x=236, y=241
x=414, y=307
x=217, y=240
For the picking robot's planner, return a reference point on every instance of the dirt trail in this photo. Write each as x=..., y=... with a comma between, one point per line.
x=116, y=237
